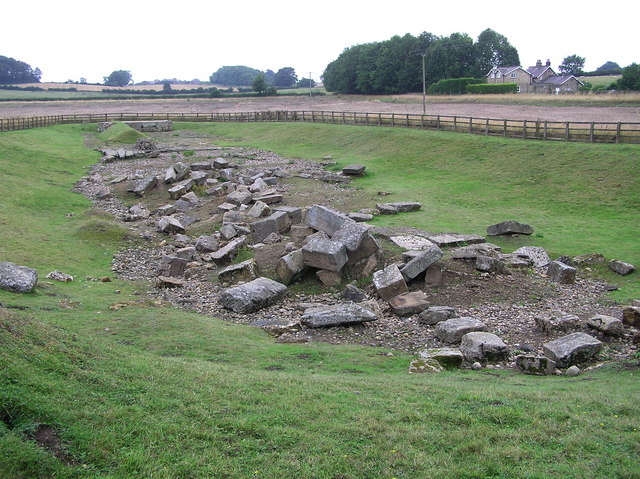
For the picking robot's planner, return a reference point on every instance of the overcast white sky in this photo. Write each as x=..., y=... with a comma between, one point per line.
x=192, y=39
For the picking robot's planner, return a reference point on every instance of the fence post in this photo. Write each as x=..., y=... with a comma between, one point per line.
x=470, y=124
x=504, y=127
x=544, y=134
x=567, y=131
x=455, y=123
x=524, y=130
x=407, y=121
x=438, y=122
x=618, y=133
x=591, y=133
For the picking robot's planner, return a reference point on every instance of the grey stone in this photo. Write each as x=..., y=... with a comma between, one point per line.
x=324, y=254
x=435, y=314
x=293, y=212
x=389, y=282
x=537, y=255
x=269, y=199
x=421, y=262
x=16, y=278
x=325, y=219
x=201, y=166
x=298, y=233
x=621, y=267
x=235, y=273
x=452, y=330
x=606, y=324
x=138, y=212
x=290, y=267
x=445, y=240
x=224, y=207
x=572, y=349
x=220, y=163
x=589, y=259
x=239, y=198
x=474, y=250
x=262, y=228
x=232, y=217
x=331, y=279
x=561, y=273
x=173, y=266
x=336, y=315
x=259, y=210
x=283, y=221
x=188, y=253
x=190, y=197
x=407, y=304
x=509, y=227
x=353, y=293
x=433, y=276
x=386, y=209
x=491, y=265
x=253, y=296
x=103, y=193
x=228, y=232
x=556, y=321
x=359, y=243
x=422, y=365
x=272, y=239
x=354, y=170
x=199, y=178
x=483, y=347
x=227, y=174
x=145, y=185
x=169, y=225
x=448, y=358
x=177, y=190
x=360, y=217
x=631, y=316
x=207, y=244
x=515, y=261
x=536, y=365
x=404, y=206
x=362, y=269
x=59, y=276
x=182, y=170
x=170, y=176
x=573, y=371
x=227, y=252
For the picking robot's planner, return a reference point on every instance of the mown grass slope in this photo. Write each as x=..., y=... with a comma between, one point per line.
x=137, y=389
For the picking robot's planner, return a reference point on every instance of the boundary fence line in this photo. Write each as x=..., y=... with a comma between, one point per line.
x=591, y=132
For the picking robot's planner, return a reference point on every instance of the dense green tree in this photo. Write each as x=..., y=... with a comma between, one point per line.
x=306, y=83
x=451, y=57
x=15, y=71
x=285, y=77
x=493, y=49
x=630, y=78
x=572, y=65
x=260, y=85
x=609, y=68
x=118, y=78
x=234, y=75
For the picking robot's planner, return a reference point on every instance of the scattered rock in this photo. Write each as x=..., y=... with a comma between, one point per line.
x=621, y=267
x=435, y=314
x=337, y=315
x=483, y=347
x=324, y=254
x=353, y=293
x=389, y=282
x=534, y=364
x=573, y=371
x=17, y=279
x=421, y=262
x=59, y=276
x=245, y=271
x=631, y=316
x=538, y=256
x=509, y=227
x=452, y=330
x=253, y=296
x=448, y=358
x=354, y=170
x=561, y=273
x=290, y=267
x=169, y=225
x=572, y=349
x=556, y=321
x=606, y=324
x=407, y=304
x=421, y=365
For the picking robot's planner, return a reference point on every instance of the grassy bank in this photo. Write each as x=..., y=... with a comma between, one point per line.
x=136, y=389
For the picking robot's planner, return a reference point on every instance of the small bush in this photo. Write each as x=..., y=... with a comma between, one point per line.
x=453, y=86
x=493, y=88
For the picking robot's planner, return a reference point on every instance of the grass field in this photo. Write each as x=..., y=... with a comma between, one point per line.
x=144, y=390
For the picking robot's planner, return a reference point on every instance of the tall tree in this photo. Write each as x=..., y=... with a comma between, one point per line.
x=118, y=78
x=630, y=78
x=15, y=71
x=238, y=75
x=493, y=49
x=451, y=57
x=285, y=77
x=572, y=65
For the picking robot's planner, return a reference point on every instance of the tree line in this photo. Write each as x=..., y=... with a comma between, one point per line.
x=240, y=75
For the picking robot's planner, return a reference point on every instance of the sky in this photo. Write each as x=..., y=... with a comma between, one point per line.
x=157, y=40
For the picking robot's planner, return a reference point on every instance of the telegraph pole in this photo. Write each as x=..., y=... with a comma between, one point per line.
x=424, y=85
x=310, y=90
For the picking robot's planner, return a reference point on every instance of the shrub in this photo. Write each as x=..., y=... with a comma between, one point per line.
x=453, y=86
x=493, y=88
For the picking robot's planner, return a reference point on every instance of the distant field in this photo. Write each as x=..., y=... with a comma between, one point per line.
x=603, y=80
x=94, y=88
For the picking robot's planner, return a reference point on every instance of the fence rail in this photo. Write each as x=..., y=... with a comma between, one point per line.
x=592, y=132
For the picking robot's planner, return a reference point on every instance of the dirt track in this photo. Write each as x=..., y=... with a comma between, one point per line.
x=328, y=103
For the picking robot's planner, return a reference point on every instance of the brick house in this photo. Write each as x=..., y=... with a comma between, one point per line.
x=537, y=79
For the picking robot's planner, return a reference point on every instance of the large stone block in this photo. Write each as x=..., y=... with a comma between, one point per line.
x=253, y=296
x=436, y=314
x=325, y=219
x=483, y=347
x=336, y=315
x=449, y=358
x=262, y=228
x=452, y=330
x=561, y=273
x=324, y=254
x=406, y=304
x=421, y=262
x=537, y=255
x=537, y=365
x=389, y=282
x=290, y=267
x=621, y=267
x=229, y=251
x=359, y=243
x=16, y=278
x=556, y=321
x=145, y=185
x=169, y=225
x=606, y=324
x=235, y=273
x=509, y=227
x=572, y=349
x=631, y=316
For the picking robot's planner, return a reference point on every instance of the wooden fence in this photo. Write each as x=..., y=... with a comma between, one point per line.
x=593, y=132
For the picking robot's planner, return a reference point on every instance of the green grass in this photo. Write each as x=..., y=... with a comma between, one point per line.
x=120, y=133
x=137, y=389
x=580, y=198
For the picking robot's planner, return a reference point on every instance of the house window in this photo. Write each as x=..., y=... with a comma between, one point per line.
x=493, y=75
x=498, y=75
x=513, y=75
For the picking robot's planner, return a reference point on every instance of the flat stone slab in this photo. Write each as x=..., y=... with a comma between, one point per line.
x=606, y=324
x=336, y=315
x=556, y=321
x=354, y=170
x=169, y=224
x=16, y=278
x=145, y=185
x=253, y=296
x=537, y=255
x=327, y=220
x=536, y=365
x=235, y=273
x=572, y=349
x=411, y=242
x=483, y=347
x=399, y=206
x=452, y=330
x=445, y=240
x=406, y=304
x=436, y=314
x=421, y=262
x=448, y=358
x=621, y=267
x=474, y=250
x=509, y=227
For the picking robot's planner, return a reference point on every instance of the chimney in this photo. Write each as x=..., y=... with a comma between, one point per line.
x=548, y=62
x=539, y=63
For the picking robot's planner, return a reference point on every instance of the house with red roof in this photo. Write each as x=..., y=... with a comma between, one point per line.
x=536, y=79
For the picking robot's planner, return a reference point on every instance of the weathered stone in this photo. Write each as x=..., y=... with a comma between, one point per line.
x=621, y=267
x=436, y=314
x=298, y=233
x=232, y=217
x=331, y=279
x=386, y=209
x=353, y=293
x=483, y=347
x=258, y=185
x=239, y=198
x=199, y=178
x=403, y=206
x=262, y=228
x=572, y=349
x=165, y=210
x=139, y=212
x=389, y=282
x=207, y=244
x=407, y=304
x=509, y=227
x=220, y=163
x=561, y=273
x=103, y=193
x=359, y=217
x=336, y=315
x=421, y=262
x=491, y=265
x=283, y=222
x=445, y=240
x=293, y=212
x=324, y=254
x=259, y=210
x=178, y=190
x=227, y=252
x=606, y=324
x=201, y=166
x=537, y=255
x=272, y=239
x=182, y=170
x=359, y=243
x=277, y=327
x=589, y=259
x=169, y=282
x=556, y=321
x=224, y=207
x=59, y=276
x=253, y=296
x=515, y=261
x=169, y=224
x=290, y=267
x=421, y=365
x=631, y=316
x=474, y=250
x=362, y=269
x=145, y=185
x=452, y=330
x=354, y=170
x=536, y=365
x=150, y=125
x=433, y=276
x=325, y=219
x=448, y=358
x=245, y=271
x=270, y=199
x=173, y=266
x=226, y=174
x=573, y=371
x=217, y=191
x=228, y=232
x=190, y=197
x=16, y=278
x=170, y=176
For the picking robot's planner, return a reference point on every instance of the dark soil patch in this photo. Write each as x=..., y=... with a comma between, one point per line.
x=48, y=438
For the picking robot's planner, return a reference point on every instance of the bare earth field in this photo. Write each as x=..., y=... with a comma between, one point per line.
x=326, y=103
